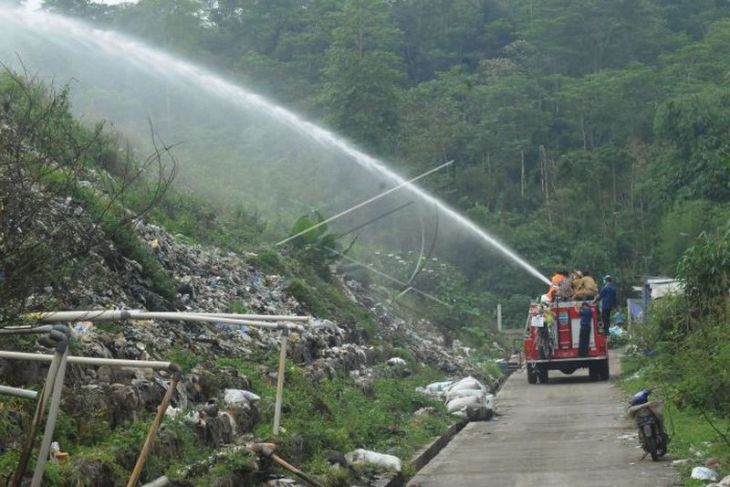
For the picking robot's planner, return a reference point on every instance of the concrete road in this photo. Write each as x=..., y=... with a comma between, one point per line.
x=570, y=432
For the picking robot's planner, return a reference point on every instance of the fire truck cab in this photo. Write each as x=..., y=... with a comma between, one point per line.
x=552, y=344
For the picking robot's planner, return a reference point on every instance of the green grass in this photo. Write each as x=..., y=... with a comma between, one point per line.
x=337, y=415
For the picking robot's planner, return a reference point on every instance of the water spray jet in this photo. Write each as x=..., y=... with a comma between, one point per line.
x=156, y=62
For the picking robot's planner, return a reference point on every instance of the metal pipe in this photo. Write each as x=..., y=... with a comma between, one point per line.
x=262, y=317
x=366, y=202
x=149, y=441
x=17, y=392
x=212, y=319
x=50, y=423
x=101, y=315
x=95, y=361
x=124, y=315
x=40, y=410
x=280, y=382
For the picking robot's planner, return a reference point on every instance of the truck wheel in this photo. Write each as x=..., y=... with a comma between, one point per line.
x=603, y=371
x=543, y=375
x=531, y=374
x=593, y=373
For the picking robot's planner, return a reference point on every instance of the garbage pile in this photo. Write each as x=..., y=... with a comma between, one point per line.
x=466, y=398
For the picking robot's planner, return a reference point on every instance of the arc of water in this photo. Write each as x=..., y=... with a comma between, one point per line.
x=163, y=63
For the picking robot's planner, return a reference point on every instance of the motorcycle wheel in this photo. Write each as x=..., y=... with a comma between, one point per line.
x=650, y=446
x=662, y=446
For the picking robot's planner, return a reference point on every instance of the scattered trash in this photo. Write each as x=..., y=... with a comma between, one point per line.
x=682, y=461
x=466, y=383
x=450, y=395
x=479, y=412
x=82, y=327
x=434, y=389
x=704, y=473
x=236, y=397
x=172, y=412
x=459, y=404
x=396, y=361
x=56, y=455
x=378, y=461
x=616, y=331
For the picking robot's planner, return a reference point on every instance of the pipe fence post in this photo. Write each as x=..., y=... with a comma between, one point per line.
x=280, y=381
x=37, y=418
x=50, y=423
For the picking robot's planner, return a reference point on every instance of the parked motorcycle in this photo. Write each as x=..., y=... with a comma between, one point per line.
x=650, y=422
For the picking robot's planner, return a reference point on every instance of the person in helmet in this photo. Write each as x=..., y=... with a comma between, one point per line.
x=608, y=298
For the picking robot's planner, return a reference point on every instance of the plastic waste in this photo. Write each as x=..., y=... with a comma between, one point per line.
x=450, y=395
x=378, y=461
x=172, y=412
x=459, y=404
x=466, y=383
x=439, y=386
x=396, y=361
x=235, y=397
x=704, y=473
x=82, y=327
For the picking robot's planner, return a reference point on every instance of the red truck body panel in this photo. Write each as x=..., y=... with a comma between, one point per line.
x=565, y=355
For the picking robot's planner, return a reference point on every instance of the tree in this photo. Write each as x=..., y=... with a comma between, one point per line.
x=363, y=74
x=49, y=217
x=693, y=129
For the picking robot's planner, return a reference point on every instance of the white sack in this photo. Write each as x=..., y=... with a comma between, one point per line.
x=379, y=461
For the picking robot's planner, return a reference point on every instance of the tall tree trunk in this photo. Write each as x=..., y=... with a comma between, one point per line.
x=522, y=173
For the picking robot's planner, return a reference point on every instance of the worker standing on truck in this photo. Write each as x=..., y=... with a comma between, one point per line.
x=608, y=297
x=586, y=322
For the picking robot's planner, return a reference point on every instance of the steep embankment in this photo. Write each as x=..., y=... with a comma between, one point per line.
x=340, y=394
x=73, y=236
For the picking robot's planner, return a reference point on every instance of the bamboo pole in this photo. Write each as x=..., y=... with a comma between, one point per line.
x=276, y=458
x=280, y=382
x=149, y=441
x=50, y=422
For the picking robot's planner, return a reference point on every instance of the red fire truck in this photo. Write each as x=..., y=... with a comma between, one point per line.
x=554, y=346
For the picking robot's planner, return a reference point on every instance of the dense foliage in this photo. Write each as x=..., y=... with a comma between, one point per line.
x=585, y=132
